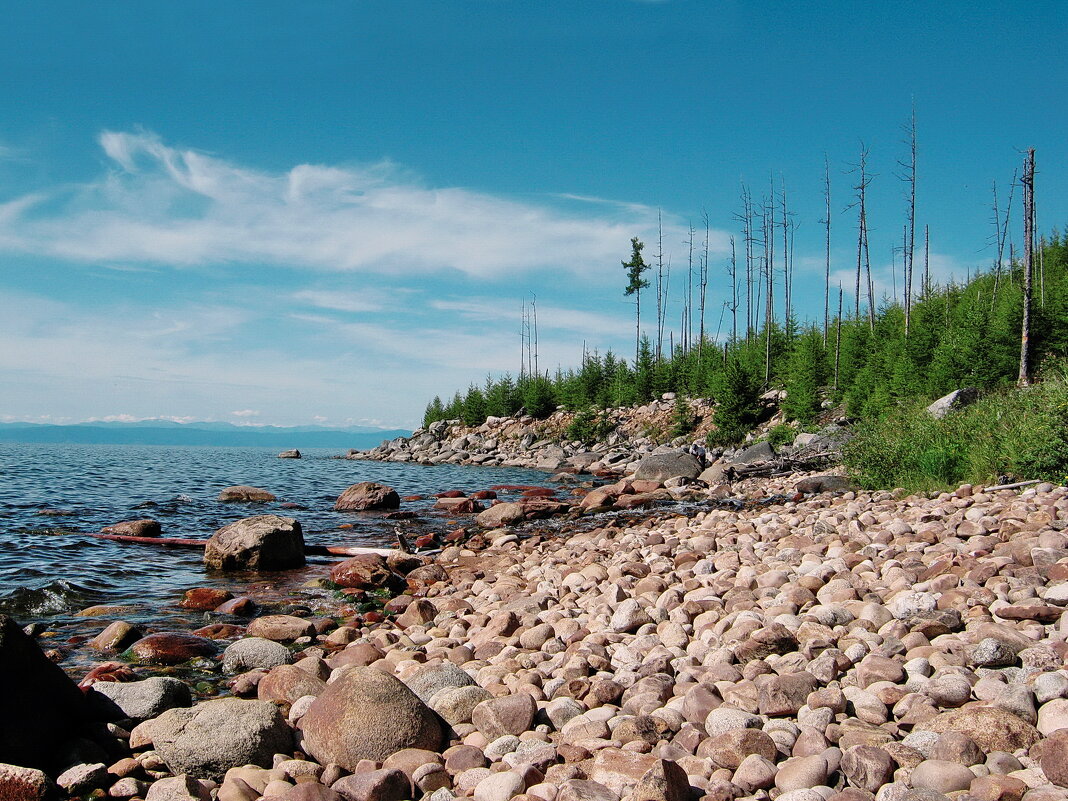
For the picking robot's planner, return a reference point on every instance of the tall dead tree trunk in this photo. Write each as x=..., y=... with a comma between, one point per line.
x=838, y=338
x=733, y=272
x=769, y=311
x=688, y=317
x=910, y=226
x=1028, y=181
x=702, y=290
x=659, y=286
x=926, y=260
x=827, y=251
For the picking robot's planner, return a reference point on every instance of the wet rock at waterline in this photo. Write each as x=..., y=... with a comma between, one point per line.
x=145, y=527
x=366, y=496
x=243, y=493
x=263, y=542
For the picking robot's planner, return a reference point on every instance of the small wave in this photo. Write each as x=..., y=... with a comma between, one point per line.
x=48, y=599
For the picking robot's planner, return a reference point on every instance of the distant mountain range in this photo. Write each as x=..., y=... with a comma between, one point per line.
x=165, y=432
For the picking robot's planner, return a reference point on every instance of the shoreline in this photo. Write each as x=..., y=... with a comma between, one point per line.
x=862, y=644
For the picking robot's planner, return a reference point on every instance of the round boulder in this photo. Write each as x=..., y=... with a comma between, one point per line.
x=138, y=700
x=254, y=652
x=263, y=542
x=663, y=466
x=212, y=737
x=365, y=496
x=365, y=714
x=171, y=648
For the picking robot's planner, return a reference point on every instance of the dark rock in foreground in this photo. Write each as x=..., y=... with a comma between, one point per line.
x=42, y=707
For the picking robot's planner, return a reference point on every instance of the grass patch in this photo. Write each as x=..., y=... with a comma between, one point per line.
x=1021, y=433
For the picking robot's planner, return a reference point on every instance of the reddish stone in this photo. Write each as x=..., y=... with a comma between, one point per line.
x=426, y=541
x=484, y=495
x=367, y=570
x=641, y=485
x=458, y=505
x=108, y=671
x=242, y=606
x=367, y=495
x=373, y=617
x=450, y=494
x=171, y=648
x=538, y=492
x=413, y=498
x=220, y=631
x=1040, y=612
x=204, y=599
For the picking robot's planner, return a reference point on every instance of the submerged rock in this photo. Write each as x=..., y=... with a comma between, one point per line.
x=243, y=493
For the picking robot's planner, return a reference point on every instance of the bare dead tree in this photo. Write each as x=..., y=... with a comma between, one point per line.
x=660, y=286
x=863, y=258
x=827, y=252
x=703, y=289
x=688, y=313
x=1001, y=233
x=746, y=218
x=787, y=276
x=838, y=338
x=926, y=260
x=909, y=177
x=1028, y=182
x=732, y=271
x=534, y=316
x=769, y=311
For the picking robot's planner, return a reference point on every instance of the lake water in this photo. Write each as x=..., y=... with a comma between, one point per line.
x=48, y=571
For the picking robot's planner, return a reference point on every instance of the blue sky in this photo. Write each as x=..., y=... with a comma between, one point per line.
x=330, y=211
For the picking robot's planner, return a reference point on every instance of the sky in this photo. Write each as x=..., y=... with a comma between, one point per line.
x=329, y=212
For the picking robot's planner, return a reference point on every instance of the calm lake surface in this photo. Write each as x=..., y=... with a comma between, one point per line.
x=48, y=571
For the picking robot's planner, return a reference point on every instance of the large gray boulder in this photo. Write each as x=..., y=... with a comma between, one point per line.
x=957, y=399
x=366, y=714
x=663, y=466
x=42, y=707
x=428, y=679
x=250, y=653
x=138, y=700
x=263, y=542
x=757, y=452
x=210, y=738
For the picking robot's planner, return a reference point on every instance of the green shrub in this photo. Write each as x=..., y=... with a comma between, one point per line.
x=781, y=434
x=1022, y=433
x=589, y=427
x=683, y=420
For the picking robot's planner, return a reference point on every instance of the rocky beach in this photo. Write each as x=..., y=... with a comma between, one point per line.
x=778, y=637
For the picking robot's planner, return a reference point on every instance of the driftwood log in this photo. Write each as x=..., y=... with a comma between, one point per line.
x=176, y=542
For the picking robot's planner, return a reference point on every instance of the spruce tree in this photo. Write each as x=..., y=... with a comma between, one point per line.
x=635, y=284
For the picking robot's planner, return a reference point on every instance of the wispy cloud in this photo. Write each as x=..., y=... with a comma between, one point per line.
x=169, y=206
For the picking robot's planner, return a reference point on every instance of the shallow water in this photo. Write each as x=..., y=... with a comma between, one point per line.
x=48, y=571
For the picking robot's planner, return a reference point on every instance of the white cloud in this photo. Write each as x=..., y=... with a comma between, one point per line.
x=339, y=301
x=246, y=413
x=168, y=206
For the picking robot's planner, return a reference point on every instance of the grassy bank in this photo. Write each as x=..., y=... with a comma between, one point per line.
x=1020, y=433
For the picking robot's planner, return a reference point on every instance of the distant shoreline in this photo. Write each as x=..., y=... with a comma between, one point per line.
x=194, y=437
